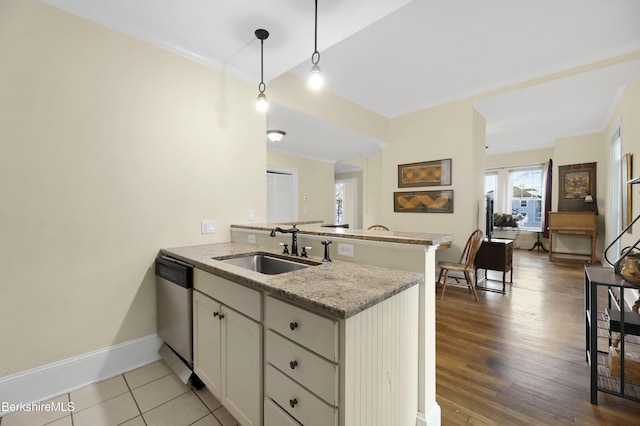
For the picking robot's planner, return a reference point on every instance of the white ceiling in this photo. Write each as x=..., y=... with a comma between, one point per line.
x=399, y=56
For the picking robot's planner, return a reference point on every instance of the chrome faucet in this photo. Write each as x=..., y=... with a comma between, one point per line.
x=294, y=237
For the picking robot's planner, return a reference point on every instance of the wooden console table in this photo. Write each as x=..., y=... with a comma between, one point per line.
x=496, y=255
x=576, y=223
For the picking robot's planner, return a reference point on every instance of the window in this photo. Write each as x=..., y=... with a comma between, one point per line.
x=340, y=203
x=518, y=191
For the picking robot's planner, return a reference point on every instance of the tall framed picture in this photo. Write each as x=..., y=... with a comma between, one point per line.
x=426, y=173
x=625, y=177
x=577, y=183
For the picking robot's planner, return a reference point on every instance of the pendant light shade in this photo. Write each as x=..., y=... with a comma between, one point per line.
x=275, y=135
x=316, y=79
x=261, y=102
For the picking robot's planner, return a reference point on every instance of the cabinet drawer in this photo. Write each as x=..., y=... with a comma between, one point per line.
x=313, y=331
x=236, y=296
x=313, y=372
x=301, y=404
x=276, y=416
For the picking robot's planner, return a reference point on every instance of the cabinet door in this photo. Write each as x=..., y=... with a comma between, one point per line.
x=206, y=342
x=242, y=367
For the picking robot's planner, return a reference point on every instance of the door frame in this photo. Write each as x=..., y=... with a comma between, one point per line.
x=353, y=181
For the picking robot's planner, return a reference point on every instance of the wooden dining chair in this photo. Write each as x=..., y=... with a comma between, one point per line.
x=378, y=228
x=465, y=265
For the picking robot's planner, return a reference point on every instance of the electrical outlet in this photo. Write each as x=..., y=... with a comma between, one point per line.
x=345, y=250
x=252, y=239
x=206, y=227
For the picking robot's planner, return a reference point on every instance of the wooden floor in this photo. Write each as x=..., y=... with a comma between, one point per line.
x=519, y=358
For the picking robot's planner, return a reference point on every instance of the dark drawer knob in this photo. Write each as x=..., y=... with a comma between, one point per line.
x=215, y=314
x=293, y=364
x=293, y=402
x=221, y=316
x=293, y=325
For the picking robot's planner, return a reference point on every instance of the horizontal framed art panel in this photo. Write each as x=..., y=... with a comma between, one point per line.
x=423, y=201
x=426, y=173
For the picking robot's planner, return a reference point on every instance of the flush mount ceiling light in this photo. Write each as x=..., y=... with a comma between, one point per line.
x=316, y=80
x=261, y=102
x=275, y=135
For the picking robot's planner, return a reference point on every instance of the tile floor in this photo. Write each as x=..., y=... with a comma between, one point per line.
x=151, y=395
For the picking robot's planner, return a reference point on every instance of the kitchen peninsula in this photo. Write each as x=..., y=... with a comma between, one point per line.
x=406, y=251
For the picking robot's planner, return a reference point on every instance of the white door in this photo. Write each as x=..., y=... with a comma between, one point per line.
x=280, y=199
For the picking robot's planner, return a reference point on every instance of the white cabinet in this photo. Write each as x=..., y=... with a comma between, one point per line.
x=302, y=374
x=274, y=415
x=242, y=367
x=228, y=351
x=316, y=370
x=358, y=371
x=206, y=342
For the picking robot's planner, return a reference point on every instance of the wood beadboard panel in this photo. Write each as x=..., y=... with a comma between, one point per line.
x=381, y=363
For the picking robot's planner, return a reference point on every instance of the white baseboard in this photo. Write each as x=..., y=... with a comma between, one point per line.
x=48, y=381
x=432, y=418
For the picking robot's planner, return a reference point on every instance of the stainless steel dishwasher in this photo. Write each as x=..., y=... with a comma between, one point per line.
x=174, y=288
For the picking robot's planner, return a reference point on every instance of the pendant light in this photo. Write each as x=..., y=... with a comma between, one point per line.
x=261, y=102
x=316, y=80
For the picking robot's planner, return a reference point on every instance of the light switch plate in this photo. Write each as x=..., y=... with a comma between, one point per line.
x=206, y=227
x=252, y=239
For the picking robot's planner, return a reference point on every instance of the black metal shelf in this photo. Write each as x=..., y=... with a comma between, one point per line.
x=602, y=283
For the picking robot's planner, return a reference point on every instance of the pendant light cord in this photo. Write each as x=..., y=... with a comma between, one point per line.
x=315, y=58
x=261, y=86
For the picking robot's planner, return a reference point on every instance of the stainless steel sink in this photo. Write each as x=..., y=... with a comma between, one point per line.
x=266, y=263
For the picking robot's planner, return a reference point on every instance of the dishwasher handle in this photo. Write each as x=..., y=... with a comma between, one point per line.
x=175, y=271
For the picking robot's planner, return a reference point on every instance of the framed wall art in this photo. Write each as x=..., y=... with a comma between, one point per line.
x=577, y=181
x=426, y=173
x=423, y=201
x=626, y=173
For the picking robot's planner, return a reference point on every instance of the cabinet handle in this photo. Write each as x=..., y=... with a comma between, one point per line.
x=293, y=325
x=293, y=402
x=221, y=316
x=293, y=364
x=215, y=314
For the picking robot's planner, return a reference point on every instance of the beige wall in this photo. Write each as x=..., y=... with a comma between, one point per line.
x=587, y=148
x=370, y=194
x=315, y=181
x=627, y=116
x=449, y=131
x=111, y=149
x=293, y=92
x=521, y=158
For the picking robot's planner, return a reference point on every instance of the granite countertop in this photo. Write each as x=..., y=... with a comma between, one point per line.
x=419, y=238
x=338, y=289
